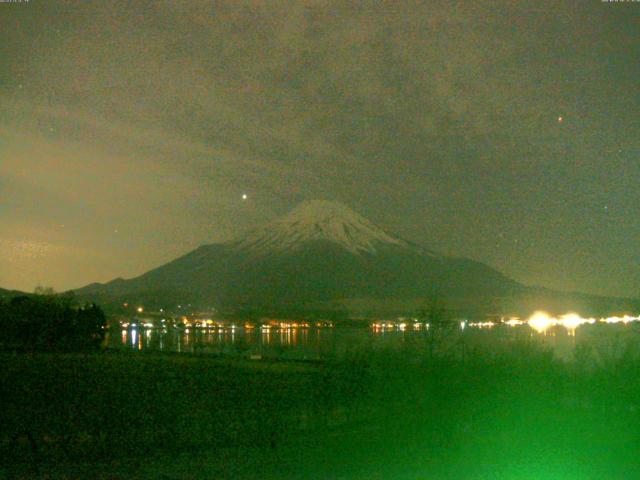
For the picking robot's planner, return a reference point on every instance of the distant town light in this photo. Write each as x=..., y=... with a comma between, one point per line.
x=140, y=309
x=482, y=324
x=513, y=322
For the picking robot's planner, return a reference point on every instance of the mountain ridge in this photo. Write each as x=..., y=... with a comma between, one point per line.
x=320, y=253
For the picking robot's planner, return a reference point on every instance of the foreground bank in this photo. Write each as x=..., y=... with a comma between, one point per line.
x=137, y=415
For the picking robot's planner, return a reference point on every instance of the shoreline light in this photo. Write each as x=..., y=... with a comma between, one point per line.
x=514, y=322
x=541, y=321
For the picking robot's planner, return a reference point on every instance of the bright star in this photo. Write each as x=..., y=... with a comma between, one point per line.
x=244, y=196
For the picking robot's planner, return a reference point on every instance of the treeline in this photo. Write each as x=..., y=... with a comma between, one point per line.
x=50, y=323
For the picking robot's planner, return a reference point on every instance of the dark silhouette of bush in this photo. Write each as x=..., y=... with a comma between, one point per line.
x=50, y=323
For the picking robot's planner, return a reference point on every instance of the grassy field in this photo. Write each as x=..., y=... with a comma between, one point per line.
x=383, y=415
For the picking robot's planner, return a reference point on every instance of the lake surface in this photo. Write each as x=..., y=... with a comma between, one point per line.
x=604, y=342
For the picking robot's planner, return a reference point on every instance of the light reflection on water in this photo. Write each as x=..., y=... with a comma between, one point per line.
x=319, y=343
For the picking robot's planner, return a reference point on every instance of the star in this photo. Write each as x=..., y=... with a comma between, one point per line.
x=560, y=119
x=244, y=196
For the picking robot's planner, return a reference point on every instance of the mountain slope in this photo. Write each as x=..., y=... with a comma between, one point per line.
x=319, y=252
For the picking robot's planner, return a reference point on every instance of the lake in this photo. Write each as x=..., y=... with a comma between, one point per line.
x=605, y=342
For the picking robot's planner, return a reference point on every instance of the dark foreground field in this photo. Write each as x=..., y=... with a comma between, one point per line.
x=377, y=416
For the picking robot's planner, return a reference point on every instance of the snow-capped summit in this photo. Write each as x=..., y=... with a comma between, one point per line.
x=318, y=254
x=319, y=220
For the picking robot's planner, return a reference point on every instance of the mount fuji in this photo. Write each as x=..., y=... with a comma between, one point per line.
x=320, y=253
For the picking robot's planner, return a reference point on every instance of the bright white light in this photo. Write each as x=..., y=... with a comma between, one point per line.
x=624, y=319
x=541, y=321
x=571, y=321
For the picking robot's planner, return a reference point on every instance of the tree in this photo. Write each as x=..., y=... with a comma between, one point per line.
x=41, y=290
x=50, y=323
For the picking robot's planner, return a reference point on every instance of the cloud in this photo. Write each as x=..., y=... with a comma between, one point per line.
x=153, y=119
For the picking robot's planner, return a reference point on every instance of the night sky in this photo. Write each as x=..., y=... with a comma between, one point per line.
x=507, y=132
